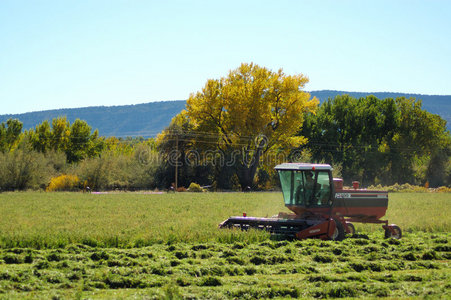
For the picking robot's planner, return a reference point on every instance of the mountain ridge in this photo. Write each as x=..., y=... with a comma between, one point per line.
x=148, y=119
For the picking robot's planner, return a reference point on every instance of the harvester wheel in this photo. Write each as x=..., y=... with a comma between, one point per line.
x=339, y=233
x=397, y=233
x=351, y=228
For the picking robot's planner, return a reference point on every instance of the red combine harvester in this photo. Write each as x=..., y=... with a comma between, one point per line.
x=321, y=207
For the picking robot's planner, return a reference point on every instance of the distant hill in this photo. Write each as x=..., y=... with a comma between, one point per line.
x=145, y=120
x=148, y=119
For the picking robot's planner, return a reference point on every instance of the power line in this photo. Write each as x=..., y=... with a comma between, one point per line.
x=203, y=137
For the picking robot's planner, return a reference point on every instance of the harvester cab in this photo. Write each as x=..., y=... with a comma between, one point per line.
x=321, y=207
x=306, y=186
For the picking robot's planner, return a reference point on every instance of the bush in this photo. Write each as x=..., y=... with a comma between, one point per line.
x=105, y=172
x=64, y=183
x=408, y=188
x=196, y=188
x=24, y=169
x=96, y=172
x=143, y=168
x=443, y=189
x=235, y=182
x=120, y=171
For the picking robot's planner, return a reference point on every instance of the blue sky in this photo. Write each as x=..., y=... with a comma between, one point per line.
x=64, y=53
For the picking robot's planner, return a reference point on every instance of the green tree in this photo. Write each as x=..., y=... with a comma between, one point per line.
x=81, y=143
x=75, y=140
x=420, y=135
x=177, y=146
x=115, y=146
x=251, y=112
x=438, y=171
x=41, y=136
x=60, y=134
x=376, y=141
x=10, y=134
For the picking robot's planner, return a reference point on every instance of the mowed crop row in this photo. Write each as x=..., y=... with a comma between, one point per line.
x=417, y=265
x=132, y=245
x=53, y=220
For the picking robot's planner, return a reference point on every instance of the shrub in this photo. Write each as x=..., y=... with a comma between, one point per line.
x=196, y=188
x=235, y=183
x=443, y=189
x=23, y=169
x=143, y=167
x=118, y=171
x=408, y=188
x=64, y=183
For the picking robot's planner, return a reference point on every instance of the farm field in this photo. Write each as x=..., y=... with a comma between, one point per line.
x=128, y=245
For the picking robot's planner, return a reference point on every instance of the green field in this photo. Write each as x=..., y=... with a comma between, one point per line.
x=123, y=245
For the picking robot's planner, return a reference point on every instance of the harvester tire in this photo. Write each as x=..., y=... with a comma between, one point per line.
x=397, y=235
x=339, y=233
x=351, y=228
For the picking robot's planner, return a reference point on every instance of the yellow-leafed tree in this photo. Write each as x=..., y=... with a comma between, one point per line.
x=250, y=113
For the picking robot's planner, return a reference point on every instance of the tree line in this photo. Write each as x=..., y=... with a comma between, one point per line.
x=381, y=141
x=231, y=135
x=73, y=156
x=265, y=118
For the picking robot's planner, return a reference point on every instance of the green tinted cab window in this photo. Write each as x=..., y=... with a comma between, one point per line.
x=285, y=181
x=305, y=188
x=322, y=193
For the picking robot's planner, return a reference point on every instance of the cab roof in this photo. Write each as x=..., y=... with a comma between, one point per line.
x=303, y=166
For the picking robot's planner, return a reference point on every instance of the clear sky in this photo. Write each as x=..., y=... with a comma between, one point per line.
x=75, y=53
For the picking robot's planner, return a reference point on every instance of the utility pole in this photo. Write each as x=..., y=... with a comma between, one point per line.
x=176, y=159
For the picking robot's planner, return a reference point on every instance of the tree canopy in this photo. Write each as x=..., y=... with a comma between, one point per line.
x=75, y=140
x=248, y=114
x=377, y=141
x=9, y=134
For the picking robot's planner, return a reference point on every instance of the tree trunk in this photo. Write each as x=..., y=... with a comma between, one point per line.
x=246, y=173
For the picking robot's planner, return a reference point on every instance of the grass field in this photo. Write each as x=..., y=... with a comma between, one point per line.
x=52, y=220
x=131, y=245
